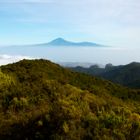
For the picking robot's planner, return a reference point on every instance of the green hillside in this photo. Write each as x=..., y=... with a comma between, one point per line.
x=40, y=100
x=126, y=75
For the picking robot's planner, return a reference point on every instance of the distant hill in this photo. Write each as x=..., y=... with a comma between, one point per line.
x=75, y=64
x=63, y=42
x=94, y=70
x=40, y=100
x=126, y=75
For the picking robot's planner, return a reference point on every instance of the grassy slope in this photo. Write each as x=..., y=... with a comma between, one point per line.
x=50, y=102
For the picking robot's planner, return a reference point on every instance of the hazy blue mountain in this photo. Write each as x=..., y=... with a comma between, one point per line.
x=63, y=42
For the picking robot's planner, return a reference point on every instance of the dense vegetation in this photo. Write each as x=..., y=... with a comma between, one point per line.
x=41, y=100
x=126, y=75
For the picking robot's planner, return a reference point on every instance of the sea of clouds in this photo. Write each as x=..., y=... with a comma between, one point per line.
x=6, y=59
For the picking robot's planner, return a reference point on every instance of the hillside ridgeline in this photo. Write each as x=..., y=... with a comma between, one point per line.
x=40, y=100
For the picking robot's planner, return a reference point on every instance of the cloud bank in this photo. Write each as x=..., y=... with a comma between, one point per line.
x=6, y=59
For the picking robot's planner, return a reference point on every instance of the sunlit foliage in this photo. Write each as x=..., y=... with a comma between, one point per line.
x=41, y=100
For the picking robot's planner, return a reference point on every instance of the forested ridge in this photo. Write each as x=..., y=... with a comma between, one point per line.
x=40, y=100
x=126, y=75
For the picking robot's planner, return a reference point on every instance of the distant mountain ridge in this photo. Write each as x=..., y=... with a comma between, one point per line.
x=81, y=64
x=63, y=42
x=126, y=75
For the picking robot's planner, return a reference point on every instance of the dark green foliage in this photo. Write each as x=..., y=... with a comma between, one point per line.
x=40, y=100
x=127, y=75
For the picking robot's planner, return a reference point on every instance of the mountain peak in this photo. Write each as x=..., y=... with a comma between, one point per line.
x=60, y=39
x=59, y=42
x=62, y=42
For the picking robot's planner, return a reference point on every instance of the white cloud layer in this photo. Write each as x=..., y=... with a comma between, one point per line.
x=6, y=59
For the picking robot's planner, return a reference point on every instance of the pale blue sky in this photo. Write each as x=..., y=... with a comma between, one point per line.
x=114, y=23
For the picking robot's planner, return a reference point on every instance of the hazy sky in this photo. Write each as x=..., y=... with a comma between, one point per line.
x=114, y=23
